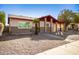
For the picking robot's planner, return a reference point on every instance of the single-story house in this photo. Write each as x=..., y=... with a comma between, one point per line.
x=50, y=24
x=23, y=24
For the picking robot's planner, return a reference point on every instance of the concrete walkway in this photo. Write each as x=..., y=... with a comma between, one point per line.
x=67, y=49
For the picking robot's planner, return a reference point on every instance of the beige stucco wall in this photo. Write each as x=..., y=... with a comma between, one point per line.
x=41, y=23
x=54, y=27
x=48, y=23
x=62, y=26
x=14, y=22
x=58, y=26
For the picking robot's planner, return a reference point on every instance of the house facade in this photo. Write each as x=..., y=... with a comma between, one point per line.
x=50, y=24
x=19, y=24
x=23, y=24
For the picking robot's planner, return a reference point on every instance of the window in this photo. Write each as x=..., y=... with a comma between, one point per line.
x=23, y=25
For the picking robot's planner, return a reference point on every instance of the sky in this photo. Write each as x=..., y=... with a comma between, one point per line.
x=37, y=10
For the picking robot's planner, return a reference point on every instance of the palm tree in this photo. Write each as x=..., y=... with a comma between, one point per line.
x=36, y=21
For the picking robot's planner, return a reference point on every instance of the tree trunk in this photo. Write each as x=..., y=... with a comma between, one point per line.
x=36, y=30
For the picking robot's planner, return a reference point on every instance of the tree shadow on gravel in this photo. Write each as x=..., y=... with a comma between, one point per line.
x=13, y=37
x=32, y=36
x=42, y=37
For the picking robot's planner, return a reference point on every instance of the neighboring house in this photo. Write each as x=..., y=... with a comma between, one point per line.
x=23, y=24
x=73, y=26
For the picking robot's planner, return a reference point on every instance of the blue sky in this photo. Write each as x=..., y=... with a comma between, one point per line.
x=37, y=10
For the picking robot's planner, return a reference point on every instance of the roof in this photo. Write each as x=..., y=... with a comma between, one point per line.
x=48, y=18
x=19, y=17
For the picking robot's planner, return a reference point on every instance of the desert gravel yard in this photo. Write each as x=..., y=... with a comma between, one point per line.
x=27, y=44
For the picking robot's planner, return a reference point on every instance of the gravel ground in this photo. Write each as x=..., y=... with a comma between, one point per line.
x=27, y=44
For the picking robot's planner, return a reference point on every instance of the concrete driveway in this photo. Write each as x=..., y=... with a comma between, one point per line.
x=67, y=49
